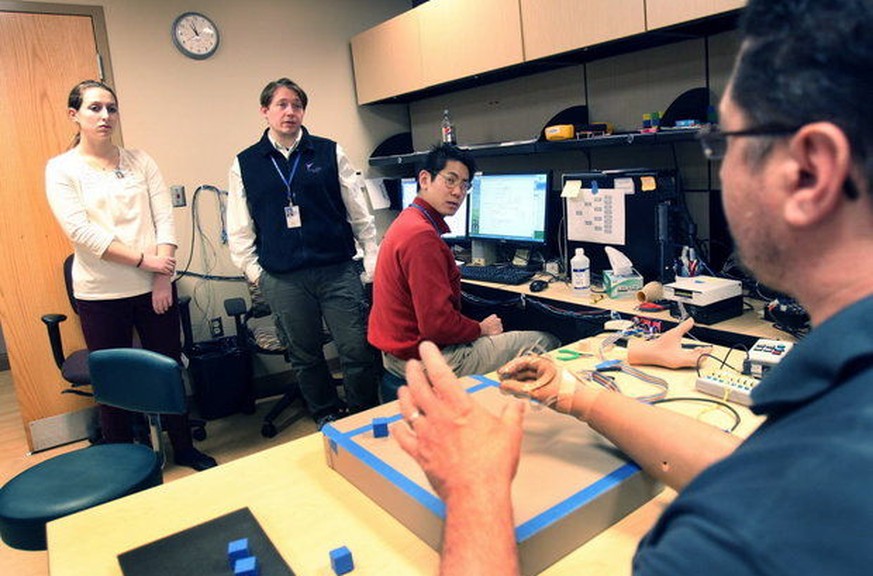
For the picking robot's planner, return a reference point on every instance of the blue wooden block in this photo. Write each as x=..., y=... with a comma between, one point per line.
x=247, y=566
x=237, y=549
x=380, y=427
x=341, y=560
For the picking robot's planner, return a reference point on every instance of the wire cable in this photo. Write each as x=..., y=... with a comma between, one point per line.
x=721, y=405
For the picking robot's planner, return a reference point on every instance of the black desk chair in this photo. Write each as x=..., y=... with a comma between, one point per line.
x=74, y=366
x=258, y=332
x=129, y=378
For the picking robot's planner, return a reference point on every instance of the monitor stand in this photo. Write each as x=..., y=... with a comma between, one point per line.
x=484, y=252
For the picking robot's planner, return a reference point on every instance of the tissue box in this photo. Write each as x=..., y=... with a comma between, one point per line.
x=617, y=286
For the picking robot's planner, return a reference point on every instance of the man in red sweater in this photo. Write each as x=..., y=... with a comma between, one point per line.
x=417, y=284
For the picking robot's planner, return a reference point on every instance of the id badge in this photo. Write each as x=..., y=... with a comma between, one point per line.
x=292, y=216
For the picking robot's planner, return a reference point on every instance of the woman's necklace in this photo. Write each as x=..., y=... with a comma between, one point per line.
x=113, y=165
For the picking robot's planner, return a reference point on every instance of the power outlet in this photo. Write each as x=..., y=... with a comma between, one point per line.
x=178, y=194
x=216, y=328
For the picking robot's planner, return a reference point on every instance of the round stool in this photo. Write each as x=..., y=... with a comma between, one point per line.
x=389, y=385
x=71, y=483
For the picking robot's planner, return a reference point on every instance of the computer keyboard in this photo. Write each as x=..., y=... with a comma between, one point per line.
x=496, y=274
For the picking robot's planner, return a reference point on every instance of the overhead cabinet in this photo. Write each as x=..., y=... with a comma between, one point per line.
x=435, y=43
x=387, y=59
x=661, y=13
x=460, y=38
x=446, y=44
x=555, y=26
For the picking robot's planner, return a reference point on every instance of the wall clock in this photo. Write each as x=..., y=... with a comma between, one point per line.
x=195, y=35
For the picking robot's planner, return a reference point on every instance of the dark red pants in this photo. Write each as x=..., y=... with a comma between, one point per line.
x=111, y=324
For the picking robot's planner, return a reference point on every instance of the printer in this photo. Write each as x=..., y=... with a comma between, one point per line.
x=707, y=299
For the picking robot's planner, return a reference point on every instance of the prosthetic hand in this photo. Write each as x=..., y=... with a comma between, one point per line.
x=539, y=378
x=666, y=350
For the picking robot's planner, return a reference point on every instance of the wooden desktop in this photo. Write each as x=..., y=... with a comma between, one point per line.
x=307, y=510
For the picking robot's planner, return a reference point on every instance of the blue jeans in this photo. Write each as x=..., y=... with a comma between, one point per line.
x=299, y=300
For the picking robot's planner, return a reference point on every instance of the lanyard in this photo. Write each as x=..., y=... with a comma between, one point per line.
x=428, y=216
x=287, y=182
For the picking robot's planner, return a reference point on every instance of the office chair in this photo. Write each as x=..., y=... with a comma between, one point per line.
x=130, y=378
x=260, y=334
x=74, y=366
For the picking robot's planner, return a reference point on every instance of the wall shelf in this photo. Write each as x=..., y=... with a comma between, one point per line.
x=545, y=147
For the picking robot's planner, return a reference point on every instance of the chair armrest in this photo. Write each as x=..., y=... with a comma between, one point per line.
x=52, y=324
x=237, y=309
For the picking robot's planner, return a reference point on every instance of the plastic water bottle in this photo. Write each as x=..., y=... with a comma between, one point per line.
x=580, y=273
x=448, y=129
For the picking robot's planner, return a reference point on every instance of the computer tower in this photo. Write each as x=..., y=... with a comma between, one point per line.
x=634, y=211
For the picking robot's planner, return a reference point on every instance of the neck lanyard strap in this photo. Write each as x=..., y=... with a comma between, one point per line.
x=428, y=216
x=287, y=182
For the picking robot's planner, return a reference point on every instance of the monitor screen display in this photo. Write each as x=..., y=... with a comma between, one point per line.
x=509, y=207
x=457, y=223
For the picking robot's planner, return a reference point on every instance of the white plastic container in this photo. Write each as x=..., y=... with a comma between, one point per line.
x=580, y=273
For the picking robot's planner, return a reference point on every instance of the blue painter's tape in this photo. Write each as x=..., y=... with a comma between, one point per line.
x=544, y=519
x=413, y=490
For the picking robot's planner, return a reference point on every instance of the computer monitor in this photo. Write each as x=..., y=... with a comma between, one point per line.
x=457, y=223
x=509, y=208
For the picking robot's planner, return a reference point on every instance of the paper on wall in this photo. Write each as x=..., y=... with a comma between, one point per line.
x=377, y=193
x=597, y=216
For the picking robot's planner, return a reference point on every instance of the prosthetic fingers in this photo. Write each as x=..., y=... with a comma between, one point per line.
x=539, y=378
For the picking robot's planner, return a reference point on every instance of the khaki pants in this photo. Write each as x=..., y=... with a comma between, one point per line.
x=485, y=354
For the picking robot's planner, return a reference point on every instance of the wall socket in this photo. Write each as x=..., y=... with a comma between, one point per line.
x=178, y=195
x=216, y=328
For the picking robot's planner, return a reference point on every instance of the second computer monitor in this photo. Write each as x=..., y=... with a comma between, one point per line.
x=509, y=207
x=457, y=223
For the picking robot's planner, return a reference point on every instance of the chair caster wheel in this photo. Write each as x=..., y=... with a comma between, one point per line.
x=198, y=434
x=268, y=430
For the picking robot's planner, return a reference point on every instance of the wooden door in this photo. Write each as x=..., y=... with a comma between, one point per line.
x=42, y=56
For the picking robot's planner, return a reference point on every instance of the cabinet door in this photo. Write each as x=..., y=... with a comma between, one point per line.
x=387, y=59
x=660, y=13
x=555, y=26
x=460, y=38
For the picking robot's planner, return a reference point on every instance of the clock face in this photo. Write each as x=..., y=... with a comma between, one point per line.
x=195, y=35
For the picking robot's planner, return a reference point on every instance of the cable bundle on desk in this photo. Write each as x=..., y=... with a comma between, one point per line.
x=564, y=313
x=511, y=302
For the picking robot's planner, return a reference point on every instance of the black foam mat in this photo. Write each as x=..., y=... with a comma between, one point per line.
x=202, y=550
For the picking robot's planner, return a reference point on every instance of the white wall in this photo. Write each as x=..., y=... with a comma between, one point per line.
x=194, y=116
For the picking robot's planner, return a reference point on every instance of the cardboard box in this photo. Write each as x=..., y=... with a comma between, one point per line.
x=621, y=286
x=571, y=484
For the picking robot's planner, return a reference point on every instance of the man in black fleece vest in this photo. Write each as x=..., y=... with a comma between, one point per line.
x=295, y=208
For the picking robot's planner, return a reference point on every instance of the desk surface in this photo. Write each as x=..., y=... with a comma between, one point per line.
x=751, y=323
x=307, y=510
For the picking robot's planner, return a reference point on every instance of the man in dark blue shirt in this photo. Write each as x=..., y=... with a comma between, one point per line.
x=796, y=145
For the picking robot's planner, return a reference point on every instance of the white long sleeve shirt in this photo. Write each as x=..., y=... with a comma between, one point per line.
x=95, y=207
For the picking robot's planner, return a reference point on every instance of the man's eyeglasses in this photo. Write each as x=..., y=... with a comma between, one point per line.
x=453, y=181
x=714, y=141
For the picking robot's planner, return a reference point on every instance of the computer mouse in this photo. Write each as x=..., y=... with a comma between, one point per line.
x=538, y=285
